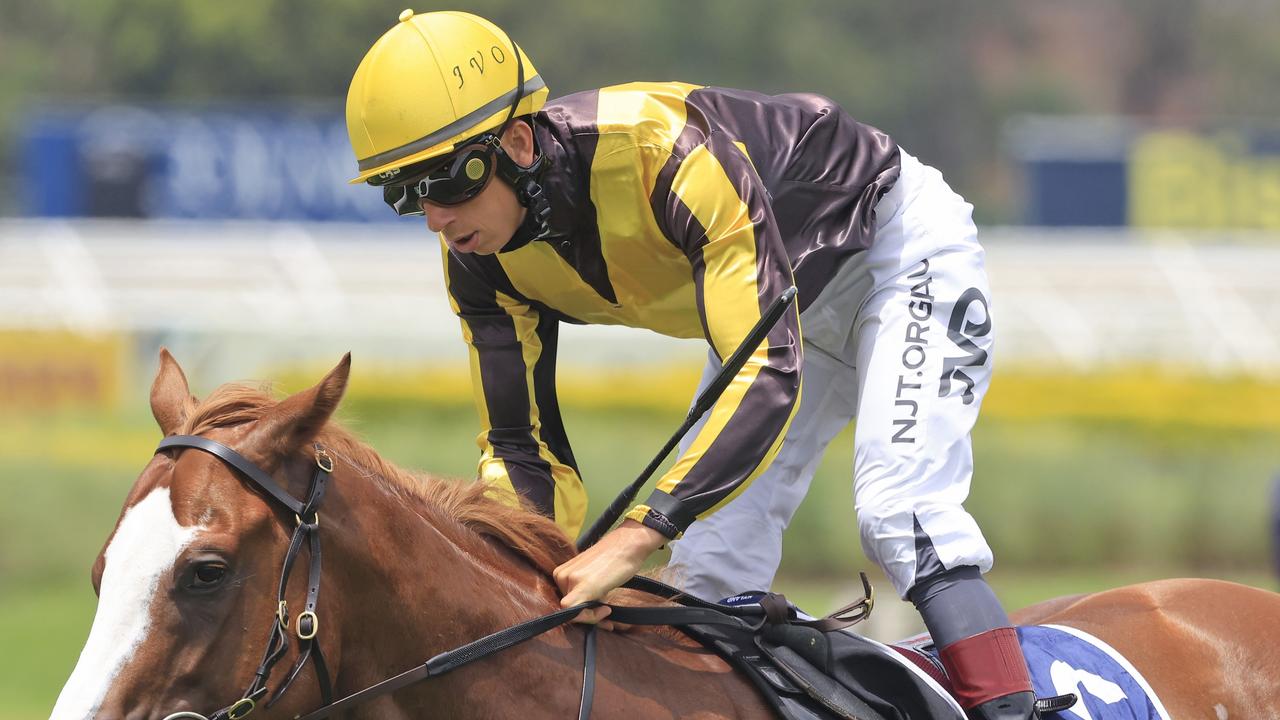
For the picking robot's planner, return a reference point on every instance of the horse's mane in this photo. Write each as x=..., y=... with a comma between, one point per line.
x=470, y=504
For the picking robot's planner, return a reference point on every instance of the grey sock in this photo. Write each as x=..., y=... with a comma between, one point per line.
x=956, y=603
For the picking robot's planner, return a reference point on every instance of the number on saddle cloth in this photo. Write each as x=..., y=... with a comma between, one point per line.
x=1067, y=660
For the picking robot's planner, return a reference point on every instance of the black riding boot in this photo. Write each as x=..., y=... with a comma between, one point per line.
x=1018, y=706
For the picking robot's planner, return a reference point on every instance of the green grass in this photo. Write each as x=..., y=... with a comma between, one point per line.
x=42, y=628
x=1069, y=506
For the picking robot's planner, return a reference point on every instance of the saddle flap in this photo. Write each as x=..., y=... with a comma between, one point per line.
x=787, y=699
x=816, y=684
x=750, y=662
x=772, y=675
x=809, y=643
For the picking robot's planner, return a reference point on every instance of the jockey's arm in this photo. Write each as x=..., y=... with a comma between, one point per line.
x=525, y=452
x=718, y=212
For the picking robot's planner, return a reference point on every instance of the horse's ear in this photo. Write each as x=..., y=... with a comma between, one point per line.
x=171, y=400
x=298, y=418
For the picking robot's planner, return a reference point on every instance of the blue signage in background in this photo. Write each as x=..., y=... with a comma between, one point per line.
x=292, y=163
x=1063, y=191
x=287, y=163
x=1075, y=170
x=1091, y=171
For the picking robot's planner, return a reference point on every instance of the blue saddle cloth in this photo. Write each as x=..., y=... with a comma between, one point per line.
x=1067, y=660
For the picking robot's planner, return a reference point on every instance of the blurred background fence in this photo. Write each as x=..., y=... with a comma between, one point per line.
x=174, y=173
x=248, y=296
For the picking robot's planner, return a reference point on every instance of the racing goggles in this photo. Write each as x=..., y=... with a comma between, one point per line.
x=457, y=179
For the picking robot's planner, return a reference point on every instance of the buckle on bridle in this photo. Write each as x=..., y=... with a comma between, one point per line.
x=241, y=709
x=282, y=614
x=323, y=460
x=315, y=625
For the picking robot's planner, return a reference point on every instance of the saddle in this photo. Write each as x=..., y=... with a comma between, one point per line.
x=805, y=668
x=812, y=668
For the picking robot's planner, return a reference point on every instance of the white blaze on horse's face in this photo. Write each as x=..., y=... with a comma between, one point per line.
x=146, y=545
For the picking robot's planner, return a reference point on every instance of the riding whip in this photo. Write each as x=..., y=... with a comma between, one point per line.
x=700, y=406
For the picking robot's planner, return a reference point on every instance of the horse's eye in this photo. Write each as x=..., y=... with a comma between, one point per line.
x=208, y=575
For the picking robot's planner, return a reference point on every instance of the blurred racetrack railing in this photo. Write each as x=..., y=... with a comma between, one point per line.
x=241, y=297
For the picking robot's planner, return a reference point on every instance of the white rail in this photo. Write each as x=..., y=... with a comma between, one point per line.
x=289, y=291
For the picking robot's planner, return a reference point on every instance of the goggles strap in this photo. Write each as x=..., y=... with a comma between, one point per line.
x=529, y=192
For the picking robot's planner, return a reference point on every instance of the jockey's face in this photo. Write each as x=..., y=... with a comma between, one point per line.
x=485, y=223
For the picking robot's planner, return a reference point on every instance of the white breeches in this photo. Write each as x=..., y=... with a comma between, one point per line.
x=901, y=339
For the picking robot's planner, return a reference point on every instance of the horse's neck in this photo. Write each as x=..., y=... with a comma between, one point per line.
x=417, y=588
x=410, y=588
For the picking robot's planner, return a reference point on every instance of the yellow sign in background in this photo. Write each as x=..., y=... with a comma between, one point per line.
x=1184, y=180
x=40, y=369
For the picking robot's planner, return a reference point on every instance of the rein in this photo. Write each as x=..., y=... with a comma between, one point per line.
x=690, y=611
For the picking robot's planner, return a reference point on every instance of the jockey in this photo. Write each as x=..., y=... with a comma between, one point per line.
x=686, y=210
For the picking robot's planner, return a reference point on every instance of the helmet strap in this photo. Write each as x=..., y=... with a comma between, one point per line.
x=531, y=195
x=524, y=180
x=529, y=192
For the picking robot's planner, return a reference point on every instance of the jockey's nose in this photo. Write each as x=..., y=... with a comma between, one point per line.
x=438, y=216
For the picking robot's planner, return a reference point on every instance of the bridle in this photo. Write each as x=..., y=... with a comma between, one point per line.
x=307, y=531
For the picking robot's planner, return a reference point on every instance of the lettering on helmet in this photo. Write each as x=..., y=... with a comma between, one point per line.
x=477, y=60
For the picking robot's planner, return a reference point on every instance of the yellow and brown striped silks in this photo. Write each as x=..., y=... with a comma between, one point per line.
x=684, y=210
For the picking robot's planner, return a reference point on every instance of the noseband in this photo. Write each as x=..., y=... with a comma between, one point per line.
x=307, y=531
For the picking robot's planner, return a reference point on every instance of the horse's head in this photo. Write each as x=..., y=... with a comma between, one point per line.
x=187, y=580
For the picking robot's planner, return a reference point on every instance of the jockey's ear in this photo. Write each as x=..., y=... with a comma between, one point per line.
x=297, y=419
x=171, y=400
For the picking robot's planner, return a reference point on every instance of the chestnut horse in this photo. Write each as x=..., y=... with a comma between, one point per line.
x=413, y=566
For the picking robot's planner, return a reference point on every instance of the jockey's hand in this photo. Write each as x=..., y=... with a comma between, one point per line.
x=606, y=565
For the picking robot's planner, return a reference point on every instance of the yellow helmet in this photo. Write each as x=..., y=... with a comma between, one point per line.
x=431, y=82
